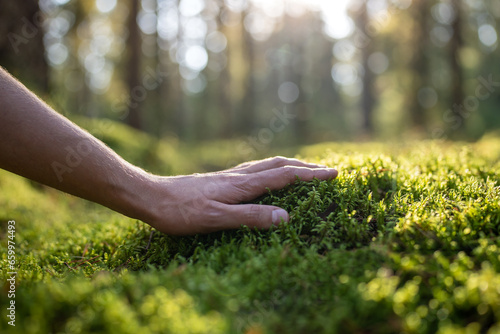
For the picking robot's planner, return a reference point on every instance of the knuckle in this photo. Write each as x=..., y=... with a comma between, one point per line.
x=242, y=165
x=212, y=218
x=289, y=173
x=280, y=161
x=253, y=216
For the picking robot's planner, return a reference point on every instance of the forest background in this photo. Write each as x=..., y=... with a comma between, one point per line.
x=263, y=73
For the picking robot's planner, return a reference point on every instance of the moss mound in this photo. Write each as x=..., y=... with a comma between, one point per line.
x=406, y=239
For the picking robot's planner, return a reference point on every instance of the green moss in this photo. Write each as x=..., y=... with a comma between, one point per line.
x=406, y=239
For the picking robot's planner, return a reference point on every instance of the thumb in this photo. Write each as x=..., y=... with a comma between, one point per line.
x=257, y=215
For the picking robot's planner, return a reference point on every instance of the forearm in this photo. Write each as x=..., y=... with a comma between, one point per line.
x=40, y=144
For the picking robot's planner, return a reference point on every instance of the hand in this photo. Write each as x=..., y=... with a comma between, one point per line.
x=203, y=203
x=35, y=139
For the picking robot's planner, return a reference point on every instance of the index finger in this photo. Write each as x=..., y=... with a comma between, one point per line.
x=270, y=163
x=256, y=184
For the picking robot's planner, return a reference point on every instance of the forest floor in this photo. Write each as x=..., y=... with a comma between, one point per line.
x=406, y=239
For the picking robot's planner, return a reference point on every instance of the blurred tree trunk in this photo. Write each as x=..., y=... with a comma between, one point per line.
x=456, y=42
x=296, y=35
x=226, y=130
x=167, y=99
x=368, y=99
x=180, y=118
x=327, y=99
x=22, y=50
x=224, y=101
x=161, y=87
x=164, y=92
x=299, y=122
x=248, y=114
x=418, y=63
x=133, y=69
x=80, y=100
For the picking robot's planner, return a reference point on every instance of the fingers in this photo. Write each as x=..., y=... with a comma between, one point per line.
x=256, y=184
x=270, y=163
x=254, y=215
x=215, y=216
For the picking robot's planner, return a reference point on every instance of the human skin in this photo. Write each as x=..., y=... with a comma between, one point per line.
x=38, y=143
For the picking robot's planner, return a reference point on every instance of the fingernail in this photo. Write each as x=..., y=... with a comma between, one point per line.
x=279, y=214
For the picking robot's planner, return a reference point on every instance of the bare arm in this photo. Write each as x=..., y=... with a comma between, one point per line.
x=40, y=144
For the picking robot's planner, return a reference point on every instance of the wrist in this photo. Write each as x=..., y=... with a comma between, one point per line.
x=133, y=194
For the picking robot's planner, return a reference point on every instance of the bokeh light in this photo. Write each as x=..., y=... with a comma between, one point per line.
x=147, y=22
x=288, y=92
x=105, y=6
x=487, y=35
x=441, y=35
x=443, y=13
x=191, y=7
x=260, y=26
x=196, y=58
x=378, y=62
x=337, y=23
x=216, y=41
x=344, y=74
x=195, y=85
x=344, y=50
x=57, y=54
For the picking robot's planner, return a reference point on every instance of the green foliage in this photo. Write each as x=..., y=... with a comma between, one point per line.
x=406, y=239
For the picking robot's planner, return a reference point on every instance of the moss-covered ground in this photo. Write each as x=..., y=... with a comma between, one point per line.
x=406, y=239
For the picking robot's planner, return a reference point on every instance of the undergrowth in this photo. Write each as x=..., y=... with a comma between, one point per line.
x=406, y=239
